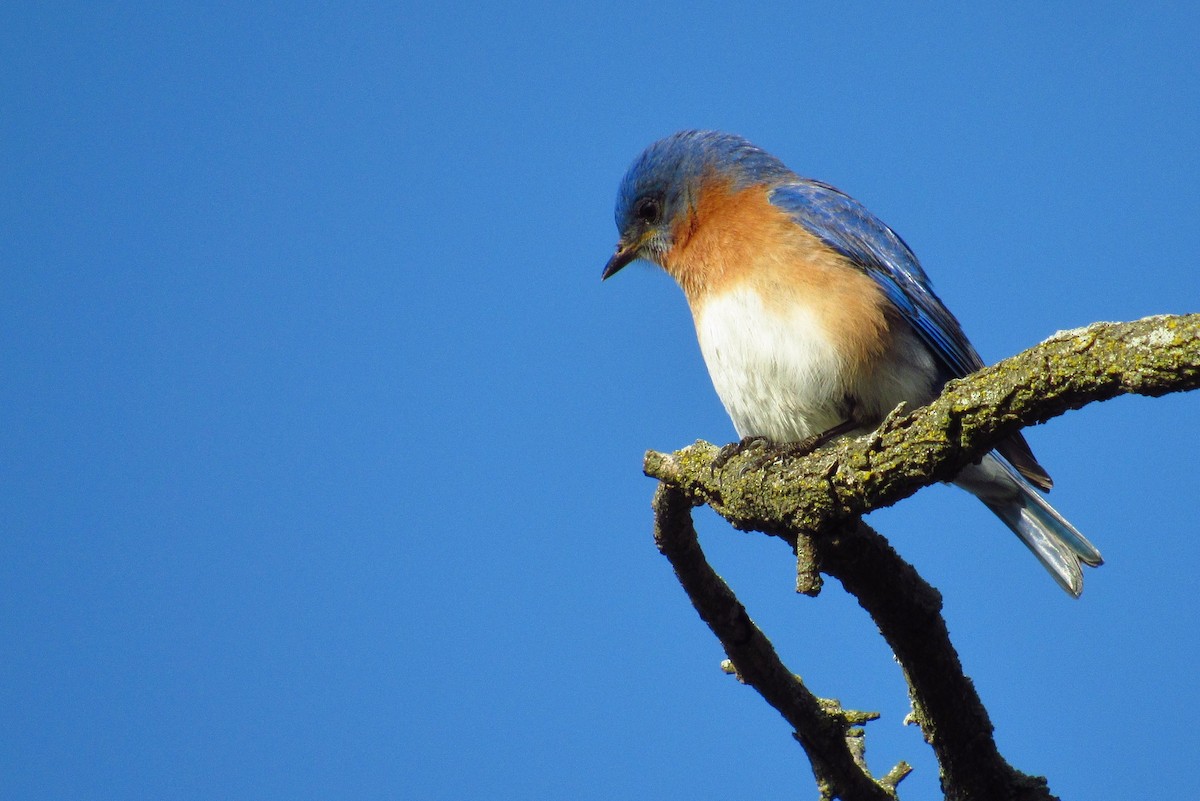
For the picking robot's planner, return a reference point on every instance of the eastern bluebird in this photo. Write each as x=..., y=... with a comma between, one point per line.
x=815, y=319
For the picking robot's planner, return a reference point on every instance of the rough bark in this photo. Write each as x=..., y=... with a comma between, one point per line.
x=814, y=502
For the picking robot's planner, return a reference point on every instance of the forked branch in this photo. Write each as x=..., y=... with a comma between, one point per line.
x=814, y=503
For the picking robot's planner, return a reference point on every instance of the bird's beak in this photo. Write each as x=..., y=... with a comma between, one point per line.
x=626, y=252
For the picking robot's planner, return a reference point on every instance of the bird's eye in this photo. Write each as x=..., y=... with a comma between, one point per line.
x=648, y=210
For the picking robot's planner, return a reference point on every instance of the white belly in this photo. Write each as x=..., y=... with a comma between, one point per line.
x=780, y=376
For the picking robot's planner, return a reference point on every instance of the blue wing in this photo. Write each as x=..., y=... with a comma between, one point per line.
x=845, y=225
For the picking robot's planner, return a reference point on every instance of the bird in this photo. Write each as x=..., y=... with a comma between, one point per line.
x=814, y=318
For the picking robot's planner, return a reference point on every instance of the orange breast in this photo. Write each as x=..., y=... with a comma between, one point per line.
x=740, y=240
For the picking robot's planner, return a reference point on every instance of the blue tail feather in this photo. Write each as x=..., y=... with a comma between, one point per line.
x=1055, y=542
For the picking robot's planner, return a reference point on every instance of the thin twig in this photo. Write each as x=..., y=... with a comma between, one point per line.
x=822, y=735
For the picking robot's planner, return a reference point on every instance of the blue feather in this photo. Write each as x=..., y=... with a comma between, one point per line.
x=845, y=225
x=674, y=167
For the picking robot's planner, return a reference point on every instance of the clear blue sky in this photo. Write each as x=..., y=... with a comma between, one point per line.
x=321, y=439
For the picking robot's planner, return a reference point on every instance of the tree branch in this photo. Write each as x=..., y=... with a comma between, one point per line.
x=854, y=475
x=813, y=502
x=907, y=610
x=821, y=732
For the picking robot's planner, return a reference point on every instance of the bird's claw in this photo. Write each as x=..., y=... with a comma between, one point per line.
x=767, y=451
x=737, y=449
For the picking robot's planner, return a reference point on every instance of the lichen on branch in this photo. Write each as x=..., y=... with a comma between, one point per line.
x=914, y=448
x=815, y=501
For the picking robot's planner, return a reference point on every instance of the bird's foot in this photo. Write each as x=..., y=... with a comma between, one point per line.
x=768, y=451
x=760, y=452
x=738, y=448
x=802, y=448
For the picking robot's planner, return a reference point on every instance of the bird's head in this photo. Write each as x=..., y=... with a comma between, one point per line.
x=659, y=193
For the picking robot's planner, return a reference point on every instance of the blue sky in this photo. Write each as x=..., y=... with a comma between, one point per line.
x=321, y=442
